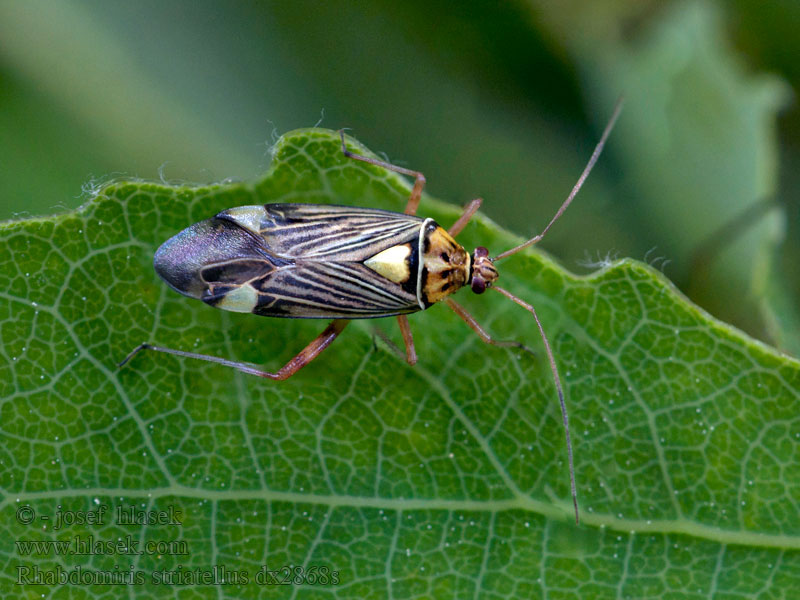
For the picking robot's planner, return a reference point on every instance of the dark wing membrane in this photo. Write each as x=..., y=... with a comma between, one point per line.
x=325, y=232
x=211, y=256
x=312, y=289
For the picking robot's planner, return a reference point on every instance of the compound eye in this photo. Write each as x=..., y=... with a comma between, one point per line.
x=481, y=252
x=478, y=285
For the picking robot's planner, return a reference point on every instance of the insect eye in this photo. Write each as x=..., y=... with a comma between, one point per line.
x=481, y=252
x=478, y=285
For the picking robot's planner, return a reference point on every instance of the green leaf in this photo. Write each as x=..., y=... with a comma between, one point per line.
x=447, y=479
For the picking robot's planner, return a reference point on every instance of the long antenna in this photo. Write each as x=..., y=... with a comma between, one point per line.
x=564, y=417
x=576, y=188
x=551, y=359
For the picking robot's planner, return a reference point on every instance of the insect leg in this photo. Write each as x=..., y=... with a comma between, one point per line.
x=469, y=210
x=305, y=356
x=389, y=343
x=419, y=178
x=405, y=329
x=475, y=326
x=559, y=390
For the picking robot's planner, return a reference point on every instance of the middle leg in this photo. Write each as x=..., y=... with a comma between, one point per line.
x=405, y=329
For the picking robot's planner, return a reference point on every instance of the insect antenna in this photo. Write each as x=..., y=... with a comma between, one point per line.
x=557, y=379
x=576, y=188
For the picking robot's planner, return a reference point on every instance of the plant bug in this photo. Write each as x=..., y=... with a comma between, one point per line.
x=315, y=261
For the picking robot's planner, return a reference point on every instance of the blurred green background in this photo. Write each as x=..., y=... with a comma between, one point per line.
x=499, y=100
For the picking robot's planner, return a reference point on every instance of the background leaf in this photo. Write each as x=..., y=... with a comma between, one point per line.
x=442, y=480
x=699, y=146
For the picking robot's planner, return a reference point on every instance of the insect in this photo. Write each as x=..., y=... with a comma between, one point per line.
x=337, y=262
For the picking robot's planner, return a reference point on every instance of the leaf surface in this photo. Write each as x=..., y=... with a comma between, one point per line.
x=697, y=145
x=447, y=479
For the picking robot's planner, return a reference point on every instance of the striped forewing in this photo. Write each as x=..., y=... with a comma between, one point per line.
x=334, y=233
x=314, y=289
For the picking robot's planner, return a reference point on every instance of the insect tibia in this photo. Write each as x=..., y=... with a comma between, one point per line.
x=559, y=390
x=134, y=352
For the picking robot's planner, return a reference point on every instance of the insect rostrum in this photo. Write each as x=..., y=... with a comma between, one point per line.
x=340, y=263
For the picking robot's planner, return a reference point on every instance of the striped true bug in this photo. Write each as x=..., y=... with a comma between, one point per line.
x=337, y=262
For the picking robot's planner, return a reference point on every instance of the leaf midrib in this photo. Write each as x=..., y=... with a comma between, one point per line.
x=559, y=511
x=555, y=509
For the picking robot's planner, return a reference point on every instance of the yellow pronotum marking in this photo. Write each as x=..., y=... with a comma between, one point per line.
x=391, y=263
